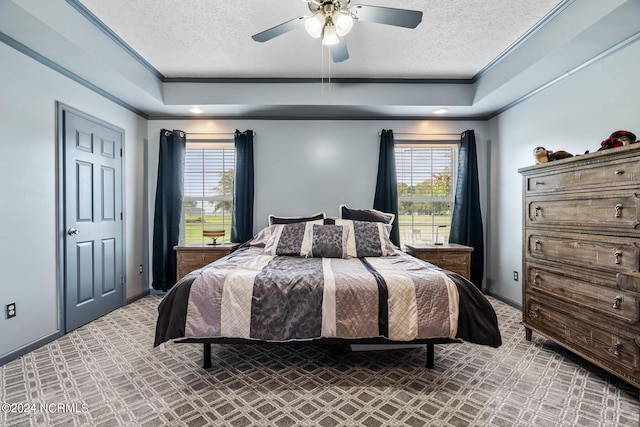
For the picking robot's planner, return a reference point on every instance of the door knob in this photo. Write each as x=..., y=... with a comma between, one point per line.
x=72, y=231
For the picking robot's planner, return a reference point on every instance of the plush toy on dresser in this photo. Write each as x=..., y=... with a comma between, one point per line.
x=542, y=155
x=619, y=138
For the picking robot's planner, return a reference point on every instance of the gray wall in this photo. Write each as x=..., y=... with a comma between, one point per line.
x=28, y=167
x=308, y=166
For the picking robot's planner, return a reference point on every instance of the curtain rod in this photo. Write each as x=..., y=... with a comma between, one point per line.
x=213, y=133
x=424, y=134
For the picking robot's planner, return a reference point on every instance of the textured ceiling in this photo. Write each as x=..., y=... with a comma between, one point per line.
x=211, y=38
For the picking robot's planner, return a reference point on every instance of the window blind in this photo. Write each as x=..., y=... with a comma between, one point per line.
x=425, y=173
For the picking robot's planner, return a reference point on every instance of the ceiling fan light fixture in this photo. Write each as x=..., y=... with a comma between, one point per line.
x=330, y=36
x=343, y=22
x=332, y=20
x=314, y=25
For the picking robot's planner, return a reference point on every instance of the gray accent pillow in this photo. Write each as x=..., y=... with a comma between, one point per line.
x=329, y=241
x=371, y=215
x=290, y=242
x=293, y=219
x=367, y=238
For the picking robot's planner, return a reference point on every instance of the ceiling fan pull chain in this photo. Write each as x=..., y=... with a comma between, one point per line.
x=329, y=79
x=321, y=70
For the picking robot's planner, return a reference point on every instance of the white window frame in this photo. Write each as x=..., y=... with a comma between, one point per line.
x=202, y=199
x=426, y=231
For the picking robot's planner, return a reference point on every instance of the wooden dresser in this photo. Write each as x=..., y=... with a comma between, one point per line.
x=450, y=256
x=192, y=257
x=581, y=255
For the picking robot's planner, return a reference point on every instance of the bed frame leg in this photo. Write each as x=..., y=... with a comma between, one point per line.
x=206, y=356
x=430, y=356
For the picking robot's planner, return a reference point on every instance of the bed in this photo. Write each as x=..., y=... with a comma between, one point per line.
x=324, y=281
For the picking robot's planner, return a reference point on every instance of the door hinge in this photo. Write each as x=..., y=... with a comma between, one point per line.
x=121, y=152
x=121, y=216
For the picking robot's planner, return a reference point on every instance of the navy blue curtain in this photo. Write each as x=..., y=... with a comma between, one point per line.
x=242, y=212
x=168, y=208
x=466, y=221
x=386, y=197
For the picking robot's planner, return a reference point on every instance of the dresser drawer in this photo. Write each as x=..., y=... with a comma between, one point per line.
x=456, y=262
x=606, y=254
x=190, y=258
x=195, y=260
x=615, y=173
x=449, y=256
x=603, y=211
x=201, y=258
x=590, y=295
x=607, y=346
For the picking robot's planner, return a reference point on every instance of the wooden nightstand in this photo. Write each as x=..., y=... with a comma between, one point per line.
x=450, y=256
x=192, y=257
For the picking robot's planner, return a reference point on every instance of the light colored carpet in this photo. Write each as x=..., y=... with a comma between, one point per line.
x=107, y=374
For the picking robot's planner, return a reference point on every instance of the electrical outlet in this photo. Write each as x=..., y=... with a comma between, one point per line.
x=515, y=276
x=10, y=310
x=140, y=269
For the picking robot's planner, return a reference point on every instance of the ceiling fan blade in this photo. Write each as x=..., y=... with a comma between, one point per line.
x=339, y=51
x=388, y=15
x=278, y=30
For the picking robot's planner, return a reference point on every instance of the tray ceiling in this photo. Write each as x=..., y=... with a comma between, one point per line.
x=207, y=38
x=158, y=58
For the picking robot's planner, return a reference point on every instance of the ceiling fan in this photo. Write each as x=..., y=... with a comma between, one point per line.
x=333, y=19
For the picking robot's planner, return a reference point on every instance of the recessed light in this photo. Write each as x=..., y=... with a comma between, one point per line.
x=196, y=110
x=441, y=111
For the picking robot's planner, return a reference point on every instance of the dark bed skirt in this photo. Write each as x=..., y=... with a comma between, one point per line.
x=206, y=364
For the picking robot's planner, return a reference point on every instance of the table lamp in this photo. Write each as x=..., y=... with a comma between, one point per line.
x=214, y=234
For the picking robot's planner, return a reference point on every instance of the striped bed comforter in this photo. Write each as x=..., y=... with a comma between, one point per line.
x=256, y=296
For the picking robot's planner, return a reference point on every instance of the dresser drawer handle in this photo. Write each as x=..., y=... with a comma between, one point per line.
x=539, y=183
x=536, y=280
x=618, y=210
x=538, y=209
x=618, y=255
x=617, y=301
x=616, y=349
x=619, y=172
x=537, y=245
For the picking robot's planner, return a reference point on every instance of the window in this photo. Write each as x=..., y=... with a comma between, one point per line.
x=426, y=186
x=208, y=190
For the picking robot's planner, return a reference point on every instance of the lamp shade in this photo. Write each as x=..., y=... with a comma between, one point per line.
x=343, y=22
x=330, y=36
x=314, y=25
